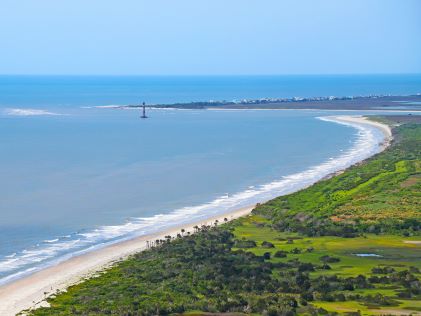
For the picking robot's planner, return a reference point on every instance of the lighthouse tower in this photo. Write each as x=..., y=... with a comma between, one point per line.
x=143, y=111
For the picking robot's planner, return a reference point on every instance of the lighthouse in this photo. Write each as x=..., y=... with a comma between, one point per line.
x=143, y=111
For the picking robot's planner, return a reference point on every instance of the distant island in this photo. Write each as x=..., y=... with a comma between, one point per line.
x=371, y=102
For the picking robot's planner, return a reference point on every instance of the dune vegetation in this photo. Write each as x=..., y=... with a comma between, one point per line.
x=348, y=245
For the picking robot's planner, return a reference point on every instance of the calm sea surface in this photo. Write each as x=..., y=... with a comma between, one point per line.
x=74, y=176
x=90, y=90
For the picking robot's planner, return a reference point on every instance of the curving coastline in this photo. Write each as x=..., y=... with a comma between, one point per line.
x=31, y=290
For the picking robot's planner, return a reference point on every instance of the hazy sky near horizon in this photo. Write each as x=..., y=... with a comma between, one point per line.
x=183, y=37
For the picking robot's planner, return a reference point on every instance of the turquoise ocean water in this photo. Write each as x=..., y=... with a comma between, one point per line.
x=75, y=175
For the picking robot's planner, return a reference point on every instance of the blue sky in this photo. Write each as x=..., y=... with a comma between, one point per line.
x=184, y=37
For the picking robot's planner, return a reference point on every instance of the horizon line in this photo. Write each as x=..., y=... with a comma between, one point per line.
x=214, y=75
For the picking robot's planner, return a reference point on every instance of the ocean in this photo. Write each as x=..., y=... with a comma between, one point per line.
x=77, y=173
x=65, y=91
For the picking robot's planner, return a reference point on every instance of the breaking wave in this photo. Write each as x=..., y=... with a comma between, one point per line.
x=29, y=112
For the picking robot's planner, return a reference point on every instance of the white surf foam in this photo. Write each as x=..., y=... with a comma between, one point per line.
x=366, y=144
x=49, y=241
x=111, y=106
x=29, y=112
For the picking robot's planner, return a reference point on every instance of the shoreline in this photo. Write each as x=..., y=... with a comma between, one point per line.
x=385, y=129
x=32, y=290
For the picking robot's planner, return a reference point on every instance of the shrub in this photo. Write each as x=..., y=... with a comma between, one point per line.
x=266, y=255
x=305, y=267
x=382, y=270
x=245, y=244
x=296, y=251
x=329, y=259
x=267, y=244
x=280, y=254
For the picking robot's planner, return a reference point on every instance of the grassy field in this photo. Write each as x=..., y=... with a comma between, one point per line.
x=393, y=250
x=378, y=199
x=348, y=245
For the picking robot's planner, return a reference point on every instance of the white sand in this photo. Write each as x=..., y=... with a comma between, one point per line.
x=385, y=129
x=31, y=291
x=414, y=242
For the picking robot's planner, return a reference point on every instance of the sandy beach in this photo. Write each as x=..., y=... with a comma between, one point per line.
x=31, y=291
x=385, y=129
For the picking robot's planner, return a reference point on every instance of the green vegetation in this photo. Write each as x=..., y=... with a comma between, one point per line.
x=380, y=196
x=349, y=245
